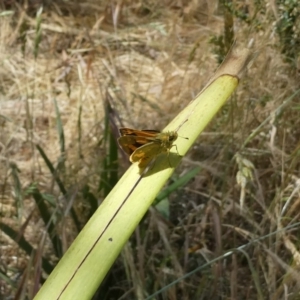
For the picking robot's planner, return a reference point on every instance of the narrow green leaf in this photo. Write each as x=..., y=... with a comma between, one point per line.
x=182, y=181
x=113, y=160
x=59, y=183
x=48, y=220
x=90, y=198
x=60, y=128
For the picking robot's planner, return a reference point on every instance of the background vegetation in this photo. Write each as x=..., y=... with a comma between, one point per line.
x=73, y=72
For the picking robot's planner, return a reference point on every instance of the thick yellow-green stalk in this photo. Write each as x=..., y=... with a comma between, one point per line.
x=85, y=264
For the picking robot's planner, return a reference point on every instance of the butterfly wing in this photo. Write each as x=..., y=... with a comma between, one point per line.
x=142, y=136
x=142, y=133
x=132, y=139
x=128, y=144
x=144, y=154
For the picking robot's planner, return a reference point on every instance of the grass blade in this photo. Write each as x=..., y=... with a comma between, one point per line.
x=59, y=183
x=48, y=220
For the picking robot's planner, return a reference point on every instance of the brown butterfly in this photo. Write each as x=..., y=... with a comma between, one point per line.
x=144, y=145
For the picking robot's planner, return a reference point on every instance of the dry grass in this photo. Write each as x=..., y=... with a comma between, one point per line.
x=141, y=56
